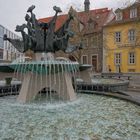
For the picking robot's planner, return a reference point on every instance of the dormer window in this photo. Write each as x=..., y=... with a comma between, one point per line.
x=133, y=12
x=92, y=24
x=119, y=16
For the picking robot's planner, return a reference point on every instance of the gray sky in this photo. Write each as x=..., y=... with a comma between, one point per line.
x=12, y=12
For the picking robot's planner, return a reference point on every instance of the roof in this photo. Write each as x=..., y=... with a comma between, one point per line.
x=126, y=15
x=99, y=16
x=135, y=4
x=128, y=6
x=59, y=22
x=115, y=22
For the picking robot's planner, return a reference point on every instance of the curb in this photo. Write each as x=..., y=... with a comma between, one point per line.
x=119, y=95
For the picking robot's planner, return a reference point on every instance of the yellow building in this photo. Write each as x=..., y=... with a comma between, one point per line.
x=121, y=52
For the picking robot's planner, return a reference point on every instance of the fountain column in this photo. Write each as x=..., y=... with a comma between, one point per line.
x=31, y=86
x=35, y=82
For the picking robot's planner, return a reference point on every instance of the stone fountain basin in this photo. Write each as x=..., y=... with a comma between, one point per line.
x=10, y=89
x=5, y=67
x=10, y=67
x=13, y=82
x=40, y=67
x=83, y=67
x=103, y=84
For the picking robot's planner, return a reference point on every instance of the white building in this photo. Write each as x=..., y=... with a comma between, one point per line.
x=7, y=51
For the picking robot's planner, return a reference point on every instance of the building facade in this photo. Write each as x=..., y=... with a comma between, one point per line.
x=87, y=26
x=1, y=42
x=93, y=21
x=121, y=51
x=7, y=51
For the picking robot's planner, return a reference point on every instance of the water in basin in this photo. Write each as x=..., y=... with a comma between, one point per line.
x=89, y=117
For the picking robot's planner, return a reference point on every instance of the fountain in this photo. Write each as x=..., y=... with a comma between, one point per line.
x=89, y=117
x=101, y=84
x=43, y=70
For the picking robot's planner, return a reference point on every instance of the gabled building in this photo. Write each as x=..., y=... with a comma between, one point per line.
x=88, y=27
x=122, y=41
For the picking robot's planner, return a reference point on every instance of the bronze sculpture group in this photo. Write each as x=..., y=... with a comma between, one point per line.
x=42, y=37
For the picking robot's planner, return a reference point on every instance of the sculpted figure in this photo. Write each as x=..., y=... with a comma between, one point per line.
x=37, y=32
x=51, y=32
x=42, y=37
x=62, y=37
x=17, y=43
x=26, y=38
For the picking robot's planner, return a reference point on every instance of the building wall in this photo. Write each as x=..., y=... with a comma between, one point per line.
x=124, y=47
x=91, y=48
x=92, y=39
x=94, y=49
x=7, y=50
x=1, y=42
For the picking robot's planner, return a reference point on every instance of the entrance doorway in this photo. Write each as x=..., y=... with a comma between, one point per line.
x=94, y=61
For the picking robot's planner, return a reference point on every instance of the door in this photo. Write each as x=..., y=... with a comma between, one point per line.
x=95, y=62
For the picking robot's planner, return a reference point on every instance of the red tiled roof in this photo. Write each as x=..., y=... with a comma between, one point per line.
x=59, y=22
x=126, y=15
x=115, y=22
x=98, y=15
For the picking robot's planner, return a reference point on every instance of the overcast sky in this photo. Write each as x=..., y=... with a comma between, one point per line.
x=12, y=12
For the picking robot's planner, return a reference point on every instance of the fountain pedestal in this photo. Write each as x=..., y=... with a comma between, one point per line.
x=85, y=73
x=43, y=56
x=33, y=83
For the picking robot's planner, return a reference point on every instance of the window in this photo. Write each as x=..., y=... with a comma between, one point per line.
x=131, y=35
x=1, y=42
x=1, y=55
x=85, y=42
x=84, y=59
x=6, y=55
x=1, y=31
x=1, y=37
x=131, y=58
x=118, y=36
x=94, y=41
x=133, y=12
x=90, y=24
x=117, y=58
x=119, y=16
x=94, y=62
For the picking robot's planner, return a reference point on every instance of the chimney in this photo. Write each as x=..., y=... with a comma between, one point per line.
x=87, y=5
